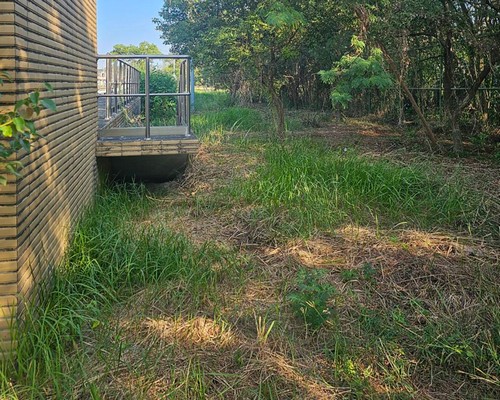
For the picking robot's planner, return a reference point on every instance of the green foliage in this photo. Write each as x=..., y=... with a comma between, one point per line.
x=256, y=44
x=312, y=297
x=142, y=48
x=281, y=15
x=18, y=130
x=162, y=108
x=112, y=254
x=262, y=49
x=353, y=75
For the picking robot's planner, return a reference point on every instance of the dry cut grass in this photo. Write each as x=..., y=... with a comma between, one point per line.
x=414, y=312
x=410, y=312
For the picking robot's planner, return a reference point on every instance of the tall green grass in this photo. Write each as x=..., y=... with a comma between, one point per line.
x=112, y=254
x=303, y=186
x=211, y=100
x=216, y=115
x=230, y=119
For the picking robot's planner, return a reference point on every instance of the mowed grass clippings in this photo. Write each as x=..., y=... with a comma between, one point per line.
x=208, y=288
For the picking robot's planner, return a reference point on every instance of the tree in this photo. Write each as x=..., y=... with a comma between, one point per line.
x=467, y=32
x=142, y=48
x=269, y=40
x=262, y=47
x=244, y=42
x=355, y=74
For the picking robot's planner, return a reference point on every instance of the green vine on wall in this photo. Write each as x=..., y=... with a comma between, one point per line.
x=18, y=130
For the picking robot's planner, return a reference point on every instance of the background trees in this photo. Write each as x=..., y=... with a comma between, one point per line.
x=162, y=79
x=442, y=56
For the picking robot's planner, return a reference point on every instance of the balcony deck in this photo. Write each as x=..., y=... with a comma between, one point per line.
x=165, y=140
x=120, y=108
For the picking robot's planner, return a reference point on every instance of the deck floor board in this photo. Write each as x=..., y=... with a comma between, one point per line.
x=165, y=140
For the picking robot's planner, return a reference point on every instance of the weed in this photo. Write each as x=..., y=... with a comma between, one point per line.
x=311, y=299
x=263, y=329
x=112, y=254
x=349, y=274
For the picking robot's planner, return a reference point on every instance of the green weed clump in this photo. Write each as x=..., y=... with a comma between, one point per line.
x=311, y=299
x=308, y=186
x=114, y=252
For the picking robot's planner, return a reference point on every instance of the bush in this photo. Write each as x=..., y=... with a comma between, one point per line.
x=162, y=109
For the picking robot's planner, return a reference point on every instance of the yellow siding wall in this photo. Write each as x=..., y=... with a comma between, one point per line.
x=50, y=41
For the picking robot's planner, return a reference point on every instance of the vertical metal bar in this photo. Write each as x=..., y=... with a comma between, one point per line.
x=146, y=86
x=191, y=78
x=120, y=80
x=128, y=83
x=115, y=85
x=108, y=88
x=189, y=87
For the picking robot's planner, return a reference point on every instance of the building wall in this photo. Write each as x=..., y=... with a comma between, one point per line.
x=52, y=41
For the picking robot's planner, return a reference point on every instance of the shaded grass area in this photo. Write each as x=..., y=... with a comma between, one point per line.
x=115, y=251
x=273, y=271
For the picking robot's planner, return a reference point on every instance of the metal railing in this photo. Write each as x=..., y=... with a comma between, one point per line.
x=122, y=83
x=121, y=79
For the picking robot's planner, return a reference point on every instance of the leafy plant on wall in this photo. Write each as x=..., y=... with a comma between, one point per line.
x=18, y=130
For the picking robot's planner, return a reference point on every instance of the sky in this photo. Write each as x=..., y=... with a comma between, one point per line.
x=127, y=22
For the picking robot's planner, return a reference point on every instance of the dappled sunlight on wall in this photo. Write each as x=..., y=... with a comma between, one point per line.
x=55, y=42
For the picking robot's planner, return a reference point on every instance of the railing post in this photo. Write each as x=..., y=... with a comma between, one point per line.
x=108, y=88
x=191, y=79
x=189, y=99
x=115, y=85
x=146, y=103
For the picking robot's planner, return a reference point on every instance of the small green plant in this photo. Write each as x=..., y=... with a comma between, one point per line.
x=349, y=274
x=263, y=329
x=312, y=297
x=17, y=128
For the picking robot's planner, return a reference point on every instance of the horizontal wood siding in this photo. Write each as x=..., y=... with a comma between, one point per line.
x=50, y=41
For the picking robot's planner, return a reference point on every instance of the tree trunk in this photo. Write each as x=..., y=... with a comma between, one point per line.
x=276, y=99
x=449, y=98
x=279, y=112
x=401, y=107
x=427, y=128
x=456, y=133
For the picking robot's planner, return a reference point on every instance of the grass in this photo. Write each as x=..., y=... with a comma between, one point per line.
x=114, y=252
x=273, y=270
x=215, y=116
x=307, y=186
